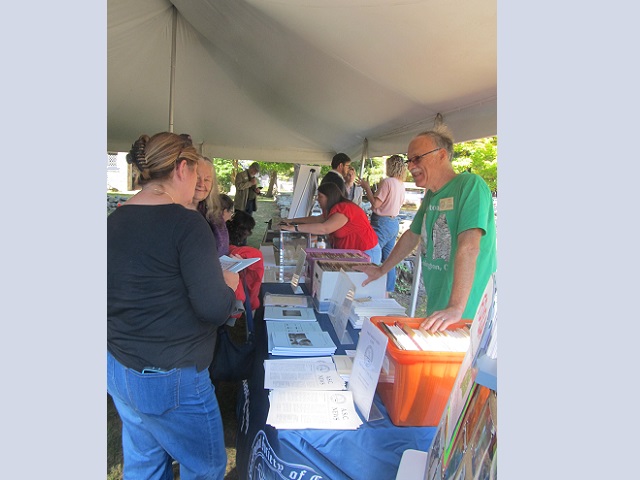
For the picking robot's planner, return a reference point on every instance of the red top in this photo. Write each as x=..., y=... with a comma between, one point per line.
x=357, y=233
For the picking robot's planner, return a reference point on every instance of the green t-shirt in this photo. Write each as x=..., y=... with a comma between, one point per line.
x=463, y=203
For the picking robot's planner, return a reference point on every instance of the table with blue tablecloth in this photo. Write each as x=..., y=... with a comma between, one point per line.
x=373, y=451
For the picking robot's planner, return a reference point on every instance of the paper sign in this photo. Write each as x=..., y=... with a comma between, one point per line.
x=367, y=363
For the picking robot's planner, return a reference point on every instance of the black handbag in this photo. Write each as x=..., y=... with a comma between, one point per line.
x=234, y=361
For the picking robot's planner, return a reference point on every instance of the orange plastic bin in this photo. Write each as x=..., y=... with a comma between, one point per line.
x=417, y=385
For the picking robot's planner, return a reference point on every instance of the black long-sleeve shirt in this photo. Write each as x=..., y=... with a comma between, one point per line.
x=166, y=294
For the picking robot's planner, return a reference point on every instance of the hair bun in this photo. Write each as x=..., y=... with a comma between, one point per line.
x=137, y=155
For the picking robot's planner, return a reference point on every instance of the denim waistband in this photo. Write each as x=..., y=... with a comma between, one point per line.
x=383, y=216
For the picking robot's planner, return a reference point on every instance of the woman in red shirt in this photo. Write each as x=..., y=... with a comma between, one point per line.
x=345, y=222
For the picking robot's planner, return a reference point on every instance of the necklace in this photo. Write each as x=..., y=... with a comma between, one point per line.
x=160, y=192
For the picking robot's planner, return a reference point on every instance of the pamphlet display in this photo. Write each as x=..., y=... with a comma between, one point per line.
x=366, y=368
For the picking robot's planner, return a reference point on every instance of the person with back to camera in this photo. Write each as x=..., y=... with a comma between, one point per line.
x=166, y=297
x=345, y=222
x=339, y=165
x=457, y=226
x=247, y=189
x=385, y=207
x=240, y=227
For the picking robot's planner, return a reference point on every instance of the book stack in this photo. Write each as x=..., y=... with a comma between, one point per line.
x=298, y=339
x=365, y=308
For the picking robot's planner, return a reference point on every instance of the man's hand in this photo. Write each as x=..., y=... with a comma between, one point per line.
x=373, y=272
x=440, y=320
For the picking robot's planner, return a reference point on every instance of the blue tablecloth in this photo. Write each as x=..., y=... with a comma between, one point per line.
x=371, y=452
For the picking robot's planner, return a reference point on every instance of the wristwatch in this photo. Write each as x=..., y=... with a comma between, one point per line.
x=296, y=227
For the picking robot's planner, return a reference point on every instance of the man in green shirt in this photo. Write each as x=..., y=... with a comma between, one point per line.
x=456, y=224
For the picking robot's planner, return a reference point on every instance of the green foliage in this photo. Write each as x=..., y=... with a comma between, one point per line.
x=283, y=170
x=224, y=170
x=374, y=170
x=479, y=157
x=404, y=279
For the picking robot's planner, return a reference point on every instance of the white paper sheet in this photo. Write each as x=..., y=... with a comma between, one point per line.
x=296, y=409
x=317, y=373
x=367, y=363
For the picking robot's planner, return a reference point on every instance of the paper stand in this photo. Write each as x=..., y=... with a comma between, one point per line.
x=340, y=306
x=295, y=279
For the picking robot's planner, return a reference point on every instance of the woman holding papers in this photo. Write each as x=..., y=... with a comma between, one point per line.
x=218, y=209
x=166, y=298
x=206, y=200
x=345, y=222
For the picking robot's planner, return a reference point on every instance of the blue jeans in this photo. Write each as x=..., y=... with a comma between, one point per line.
x=374, y=254
x=166, y=416
x=387, y=230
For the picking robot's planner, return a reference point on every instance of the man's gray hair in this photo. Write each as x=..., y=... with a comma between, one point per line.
x=442, y=137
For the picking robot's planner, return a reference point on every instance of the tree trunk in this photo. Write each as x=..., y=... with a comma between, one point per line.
x=273, y=176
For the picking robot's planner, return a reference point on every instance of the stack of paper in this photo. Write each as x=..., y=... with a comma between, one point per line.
x=275, y=300
x=366, y=308
x=344, y=364
x=317, y=373
x=298, y=339
x=296, y=409
x=291, y=314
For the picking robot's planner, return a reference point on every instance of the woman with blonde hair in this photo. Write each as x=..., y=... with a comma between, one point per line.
x=385, y=207
x=206, y=200
x=166, y=298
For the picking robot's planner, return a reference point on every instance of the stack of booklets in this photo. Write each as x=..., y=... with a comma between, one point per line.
x=417, y=339
x=277, y=300
x=309, y=373
x=288, y=308
x=289, y=314
x=366, y=308
x=298, y=339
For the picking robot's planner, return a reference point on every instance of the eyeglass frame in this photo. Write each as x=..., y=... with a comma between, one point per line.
x=414, y=160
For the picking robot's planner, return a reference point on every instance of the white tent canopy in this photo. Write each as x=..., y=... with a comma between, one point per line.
x=298, y=80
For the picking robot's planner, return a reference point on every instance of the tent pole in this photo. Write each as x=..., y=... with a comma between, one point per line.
x=173, y=65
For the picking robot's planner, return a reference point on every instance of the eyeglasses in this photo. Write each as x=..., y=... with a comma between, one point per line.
x=417, y=158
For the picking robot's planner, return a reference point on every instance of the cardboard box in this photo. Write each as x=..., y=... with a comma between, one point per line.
x=332, y=255
x=415, y=386
x=325, y=277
